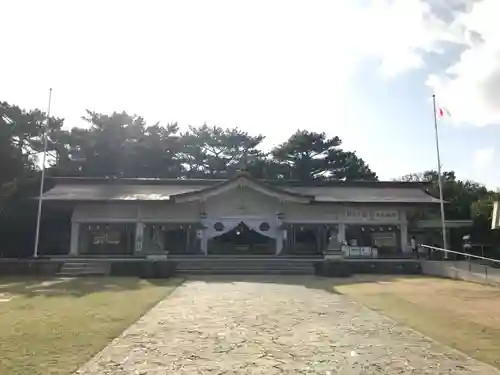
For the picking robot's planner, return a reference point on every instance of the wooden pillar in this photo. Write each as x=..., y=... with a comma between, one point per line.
x=341, y=232
x=404, y=233
x=139, y=238
x=75, y=235
x=279, y=242
x=319, y=238
x=404, y=238
x=188, y=239
x=203, y=242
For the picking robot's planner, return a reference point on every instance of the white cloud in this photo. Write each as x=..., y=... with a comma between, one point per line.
x=401, y=32
x=484, y=157
x=470, y=87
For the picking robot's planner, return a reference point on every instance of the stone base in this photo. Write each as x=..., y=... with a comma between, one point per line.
x=156, y=257
x=334, y=255
x=333, y=268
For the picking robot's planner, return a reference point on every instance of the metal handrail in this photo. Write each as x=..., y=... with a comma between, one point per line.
x=460, y=253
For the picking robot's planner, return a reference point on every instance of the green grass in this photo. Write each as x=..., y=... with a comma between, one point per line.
x=53, y=326
x=465, y=316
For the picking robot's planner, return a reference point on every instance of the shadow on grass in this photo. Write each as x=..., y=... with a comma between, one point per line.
x=76, y=287
x=308, y=281
x=79, y=287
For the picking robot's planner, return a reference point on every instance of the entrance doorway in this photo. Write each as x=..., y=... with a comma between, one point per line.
x=242, y=240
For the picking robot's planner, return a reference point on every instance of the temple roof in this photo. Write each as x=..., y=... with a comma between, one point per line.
x=104, y=189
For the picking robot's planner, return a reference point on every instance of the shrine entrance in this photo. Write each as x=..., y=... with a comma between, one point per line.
x=242, y=240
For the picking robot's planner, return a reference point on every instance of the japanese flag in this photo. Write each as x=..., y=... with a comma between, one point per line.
x=443, y=111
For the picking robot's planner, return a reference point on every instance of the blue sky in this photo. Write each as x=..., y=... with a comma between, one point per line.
x=362, y=70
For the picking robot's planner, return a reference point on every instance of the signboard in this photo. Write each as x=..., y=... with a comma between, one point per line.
x=384, y=239
x=104, y=237
x=361, y=251
x=371, y=215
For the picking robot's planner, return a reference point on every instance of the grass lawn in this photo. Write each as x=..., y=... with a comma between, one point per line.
x=53, y=326
x=465, y=316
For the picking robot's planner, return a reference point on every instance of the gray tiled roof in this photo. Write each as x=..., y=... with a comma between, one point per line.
x=105, y=192
x=162, y=192
x=366, y=194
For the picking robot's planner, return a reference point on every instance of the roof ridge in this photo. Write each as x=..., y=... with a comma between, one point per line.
x=209, y=181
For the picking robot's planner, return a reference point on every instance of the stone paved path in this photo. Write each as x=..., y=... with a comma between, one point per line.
x=281, y=326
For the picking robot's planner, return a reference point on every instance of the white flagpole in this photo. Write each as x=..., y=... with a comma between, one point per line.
x=44, y=158
x=440, y=180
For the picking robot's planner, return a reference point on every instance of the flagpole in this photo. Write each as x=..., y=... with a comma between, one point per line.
x=44, y=158
x=440, y=181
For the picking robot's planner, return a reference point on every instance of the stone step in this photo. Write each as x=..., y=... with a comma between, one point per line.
x=239, y=266
x=198, y=266
x=84, y=269
x=244, y=272
x=253, y=265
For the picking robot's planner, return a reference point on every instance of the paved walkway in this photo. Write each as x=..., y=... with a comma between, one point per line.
x=280, y=326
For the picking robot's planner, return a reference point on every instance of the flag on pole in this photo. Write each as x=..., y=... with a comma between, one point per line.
x=443, y=111
x=440, y=179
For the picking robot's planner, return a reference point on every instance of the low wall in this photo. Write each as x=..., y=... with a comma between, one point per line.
x=51, y=267
x=460, y=271
x=385, y=266
x=143, y=268
x=348, y=267
x=38, y=267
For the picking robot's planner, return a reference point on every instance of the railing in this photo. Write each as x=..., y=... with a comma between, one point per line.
x=475, y=264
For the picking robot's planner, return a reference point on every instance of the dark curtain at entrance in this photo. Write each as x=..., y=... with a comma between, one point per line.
x=242, y=240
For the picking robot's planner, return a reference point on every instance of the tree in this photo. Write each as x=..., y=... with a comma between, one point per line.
x=307, y=156
x=214, y=152
x=459, y=195
x=119, y=145
x=21, y=141
x=123, y=145
x=466, y=200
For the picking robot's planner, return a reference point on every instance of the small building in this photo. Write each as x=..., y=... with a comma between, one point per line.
x=242, y=216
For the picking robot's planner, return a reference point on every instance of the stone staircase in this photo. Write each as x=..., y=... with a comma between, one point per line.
x=244, y=266
x=84, y=268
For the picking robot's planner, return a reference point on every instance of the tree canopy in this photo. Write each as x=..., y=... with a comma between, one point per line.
x=123, y=145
